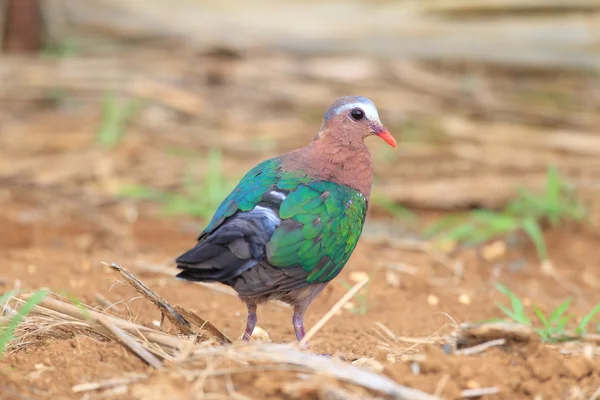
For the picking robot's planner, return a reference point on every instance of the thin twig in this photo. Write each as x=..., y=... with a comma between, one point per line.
x=320, y=365
x=480, y=348
x=202, y=324
x=336, y=307
x=595, y=395
x=182, y=318
x=128, y=341
x=85, y=387
x=176, y=319
x=468, y=393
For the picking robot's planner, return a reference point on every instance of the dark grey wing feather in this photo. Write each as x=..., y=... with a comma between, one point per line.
x=234, y=247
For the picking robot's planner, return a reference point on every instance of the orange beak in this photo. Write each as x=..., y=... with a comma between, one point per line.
x=384, y=134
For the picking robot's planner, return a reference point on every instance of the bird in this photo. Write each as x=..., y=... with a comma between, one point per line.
x=290, y=225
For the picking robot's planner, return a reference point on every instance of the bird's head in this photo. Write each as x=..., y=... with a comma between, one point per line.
x=351, y=119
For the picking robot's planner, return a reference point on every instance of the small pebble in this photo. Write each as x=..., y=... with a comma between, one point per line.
x=392, y=278
x=156, y=323
x=433, y=300
x=260, y=335
x=415, y=368
x=588, y=351
x=464, y=299
x=471, y=384
x=447, y=348
x=494, y=250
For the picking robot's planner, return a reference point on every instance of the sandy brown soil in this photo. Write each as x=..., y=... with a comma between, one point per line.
x=59, y=222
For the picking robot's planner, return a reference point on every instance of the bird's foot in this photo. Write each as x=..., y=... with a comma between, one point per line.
x=250, y=323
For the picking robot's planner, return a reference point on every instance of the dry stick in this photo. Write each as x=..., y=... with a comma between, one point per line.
x=595, y=395
x=176, y=319
x=77, y=313
x=174, y=314
x=72, y=311
x=496, y=330
x=480, y=348
x=268, y=352
x=84, y=387
x=324, y=366
x=128, y=341
x=467, y=393
x=337, y=306
x=202, y=324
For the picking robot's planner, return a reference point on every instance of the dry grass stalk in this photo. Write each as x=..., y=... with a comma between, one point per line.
x=474, y=334
x=480, y=348
x=183, y=322
x=165, y=308
x=203, y=324
x=85, y=387
x=184, y=354
x=336, y=307
x=470, y=393
x=130, y=343
x=317, y=364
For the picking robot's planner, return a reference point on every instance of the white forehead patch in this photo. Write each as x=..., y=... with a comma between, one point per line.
x=368, y=108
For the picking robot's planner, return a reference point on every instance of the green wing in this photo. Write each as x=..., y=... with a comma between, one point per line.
x=321, y=220
x=321, y=224
x=248, y=193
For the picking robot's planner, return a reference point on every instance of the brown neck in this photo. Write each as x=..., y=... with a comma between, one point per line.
x=334, y=160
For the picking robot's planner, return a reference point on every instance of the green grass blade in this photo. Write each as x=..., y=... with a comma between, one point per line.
x=553, y=191
x=508, y=312
x=562, y=323
x=559, y=311
x=533, y=230
x=581, y=328
x=396, y=210
x=518, y=308
x=541, y=317
x=141, y=192
x=442, y=224
x=7, y=332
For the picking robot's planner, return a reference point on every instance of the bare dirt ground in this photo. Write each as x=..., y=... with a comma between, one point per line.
x=60, y=219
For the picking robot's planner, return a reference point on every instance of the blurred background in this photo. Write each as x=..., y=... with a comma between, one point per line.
x=482, y=95
x=108, y=106
x=123, y=124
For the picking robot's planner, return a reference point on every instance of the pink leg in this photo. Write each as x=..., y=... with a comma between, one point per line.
x=250, y=322
x=301, y=306
x=298, y=323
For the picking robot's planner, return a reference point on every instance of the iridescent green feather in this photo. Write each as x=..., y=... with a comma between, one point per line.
x=321, y=220
x=248, y=192
x=335, y=222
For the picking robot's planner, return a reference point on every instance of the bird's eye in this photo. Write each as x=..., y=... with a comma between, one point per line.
x=357, y=114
